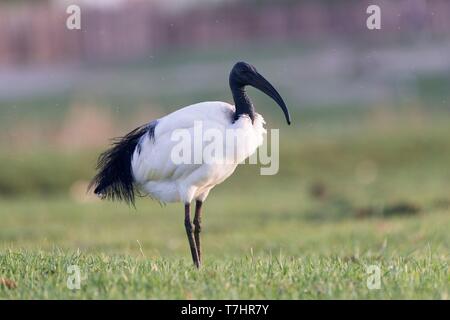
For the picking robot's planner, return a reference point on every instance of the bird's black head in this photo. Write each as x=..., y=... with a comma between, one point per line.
x=244, y=74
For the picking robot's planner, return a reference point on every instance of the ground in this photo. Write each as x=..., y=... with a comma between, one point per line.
x=349, y=196
x=363, y=183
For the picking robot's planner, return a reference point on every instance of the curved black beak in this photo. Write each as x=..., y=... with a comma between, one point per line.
x=260, y=83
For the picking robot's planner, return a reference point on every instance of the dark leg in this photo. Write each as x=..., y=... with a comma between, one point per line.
x=190, y=235
x=198, y=228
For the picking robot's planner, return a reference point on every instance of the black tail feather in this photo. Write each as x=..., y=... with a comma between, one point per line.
x=114, y=179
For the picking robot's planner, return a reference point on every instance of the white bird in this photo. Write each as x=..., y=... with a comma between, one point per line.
x=143, y=160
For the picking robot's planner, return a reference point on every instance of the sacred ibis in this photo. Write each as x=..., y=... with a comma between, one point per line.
x=142, y=161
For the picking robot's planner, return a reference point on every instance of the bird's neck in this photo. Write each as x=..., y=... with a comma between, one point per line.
x=242, y=103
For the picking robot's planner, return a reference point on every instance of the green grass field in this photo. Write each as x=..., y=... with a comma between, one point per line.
x=359, y=185
x=354, y=190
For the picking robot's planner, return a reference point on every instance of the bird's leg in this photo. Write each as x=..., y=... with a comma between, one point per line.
x=190, y=234
x=198, y=228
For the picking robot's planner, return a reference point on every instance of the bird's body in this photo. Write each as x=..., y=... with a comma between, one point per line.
x=158, y=176
x=148, y=158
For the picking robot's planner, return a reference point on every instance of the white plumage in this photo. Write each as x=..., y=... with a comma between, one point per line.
x=158, y=176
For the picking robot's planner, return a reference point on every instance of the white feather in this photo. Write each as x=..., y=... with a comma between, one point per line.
x=158, y=176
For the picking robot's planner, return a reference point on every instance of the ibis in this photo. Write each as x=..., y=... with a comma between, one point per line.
x=142, y=161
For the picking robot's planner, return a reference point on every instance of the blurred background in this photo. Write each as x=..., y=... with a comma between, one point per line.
x=364, y=167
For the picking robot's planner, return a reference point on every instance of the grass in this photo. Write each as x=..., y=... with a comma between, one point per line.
x=357, y=187
x=44, y=275
x=348, y=195
x=274, y=253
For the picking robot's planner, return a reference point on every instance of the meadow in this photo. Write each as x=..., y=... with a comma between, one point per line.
x=358, y=186
x=347, y=196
